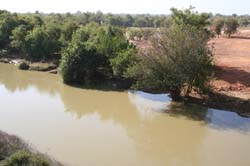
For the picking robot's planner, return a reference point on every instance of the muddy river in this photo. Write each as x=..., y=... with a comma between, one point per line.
x=81, y=127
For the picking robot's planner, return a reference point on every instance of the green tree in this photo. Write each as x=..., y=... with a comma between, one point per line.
x=39, y=44
x=96, y=50
x=18, y=37
x=7, y=23
x=36, y=20
x=115, y=47
x=79, y=63
x=68, y=28
x=230, y=26
x=188, y=17
x=178, y=61
x=218, y=25
x=244, y=21
x=54, y=30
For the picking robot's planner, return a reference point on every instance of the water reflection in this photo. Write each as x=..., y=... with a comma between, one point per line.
x=95, y=101
x=142, y=128
x=227, y=121
x=147, y=104
x=218, y=119
x=17, y=80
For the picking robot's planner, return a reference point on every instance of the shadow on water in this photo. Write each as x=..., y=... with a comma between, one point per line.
x=101, y=86
x=190, y=111
x=217, y=119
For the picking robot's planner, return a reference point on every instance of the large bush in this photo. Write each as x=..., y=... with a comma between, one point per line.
x=218, y=25
x=79, y=63
x=26, y=158
x=120, y=54
x=18, y=37
x=230, y=26
x=190, y=18
x=39, y=44
x=96, y=52
x=178, y=61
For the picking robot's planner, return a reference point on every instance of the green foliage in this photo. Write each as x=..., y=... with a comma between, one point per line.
x=218, y=25
x=10, y=144
x=244, y=22
x=96, y=51
x=25, y=158
x=36, y=20
x=119, y=53
x=178, y=61
x=68, y=29
x=39, y=44
x=23, y=66
x=190, y=18
x=7, y=24
x=54, y=30
x=18, y=37
x=230, y=26
x=123, y=61
x=79, y=63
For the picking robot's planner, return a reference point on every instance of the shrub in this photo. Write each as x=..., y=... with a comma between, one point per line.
x=79, y=63
x=39, y=44
x=3, y=53
x=10, y=144
x=25, y=158
x=218, y=25
x=23, y=66
x=230, y=26
x=96, y=51
x=18, y=37
x=119, y=53
x=123, y=61
x=178, y=61
x=190, y=18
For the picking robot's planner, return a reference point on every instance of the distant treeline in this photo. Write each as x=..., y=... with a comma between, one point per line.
x=124, y=20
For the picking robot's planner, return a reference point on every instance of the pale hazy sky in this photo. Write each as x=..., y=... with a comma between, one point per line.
x=126, y=6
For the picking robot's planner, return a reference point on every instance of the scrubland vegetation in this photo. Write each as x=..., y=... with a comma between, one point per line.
x=15, y=152
x=96, y=47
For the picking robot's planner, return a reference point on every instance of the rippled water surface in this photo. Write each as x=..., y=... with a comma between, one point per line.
x=105, y=128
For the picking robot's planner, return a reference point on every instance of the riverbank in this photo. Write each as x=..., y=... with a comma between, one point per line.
x=49, y=66
x=14, y=151
x=214, y=99
x=223, y=101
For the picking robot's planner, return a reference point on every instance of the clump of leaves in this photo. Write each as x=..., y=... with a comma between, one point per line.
x=26, y=158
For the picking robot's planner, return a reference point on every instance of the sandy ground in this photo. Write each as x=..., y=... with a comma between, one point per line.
x=232, y=59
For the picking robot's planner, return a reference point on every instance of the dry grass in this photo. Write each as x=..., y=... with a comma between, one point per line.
x=10, y=144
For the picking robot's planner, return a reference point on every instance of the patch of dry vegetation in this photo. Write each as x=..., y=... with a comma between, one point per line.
x=14, y=151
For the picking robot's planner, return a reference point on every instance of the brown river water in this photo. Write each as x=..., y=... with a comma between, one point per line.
x=81, y=127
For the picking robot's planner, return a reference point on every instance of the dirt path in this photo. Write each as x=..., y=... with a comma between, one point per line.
x=232, y=59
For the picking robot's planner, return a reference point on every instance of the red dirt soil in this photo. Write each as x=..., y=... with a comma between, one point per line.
x=232, y=60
